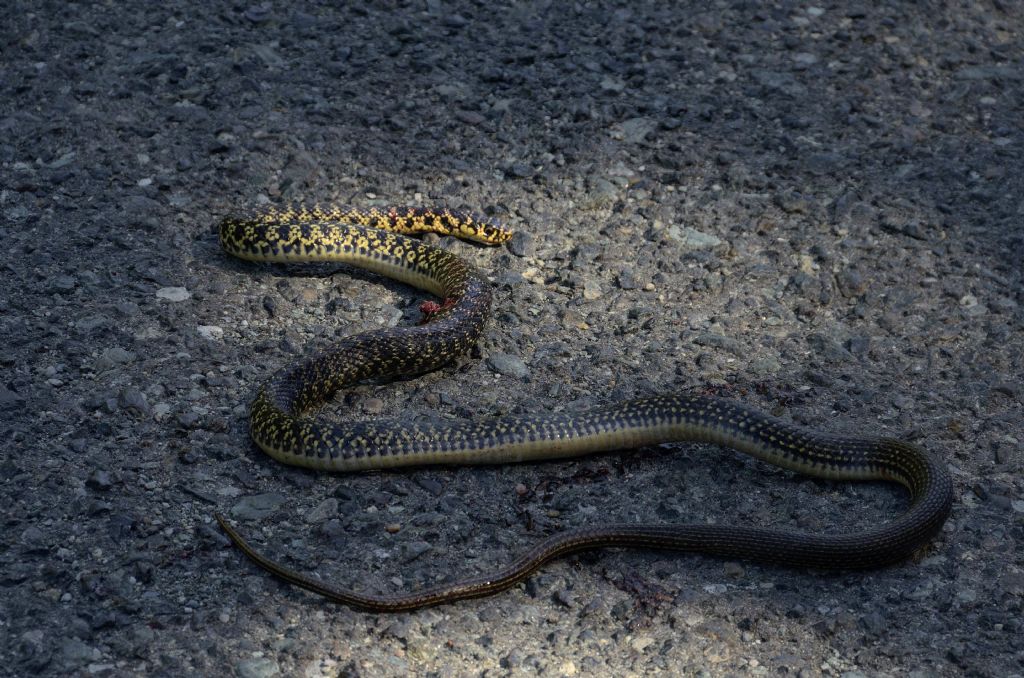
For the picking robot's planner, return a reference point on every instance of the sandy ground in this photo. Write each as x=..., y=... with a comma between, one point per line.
x=815, y=210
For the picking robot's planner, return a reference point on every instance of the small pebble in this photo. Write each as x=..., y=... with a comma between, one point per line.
x=258, y=506
x=99, y=480
x=522, y=244
x=325, y=510
x=692, y=239
x=852, y=283
x=257, y=668
x=112, y=357
x=508, y=365
x=173, y=294
x=641, y=643
x=211, y=332
x=133, y=400
x=161, y=411
x=64, y=283
x=733, y=570
x=9, y=399
x=413, y=550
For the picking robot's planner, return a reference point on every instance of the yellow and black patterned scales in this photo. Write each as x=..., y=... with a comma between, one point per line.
x=372, y=239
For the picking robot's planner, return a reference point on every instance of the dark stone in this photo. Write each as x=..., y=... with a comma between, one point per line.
x=100, y=480
x=133, y=400
x=522, y=244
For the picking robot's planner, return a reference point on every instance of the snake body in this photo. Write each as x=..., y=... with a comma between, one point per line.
x=372, y=239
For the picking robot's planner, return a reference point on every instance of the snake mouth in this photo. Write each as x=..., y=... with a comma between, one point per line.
x=431, y=310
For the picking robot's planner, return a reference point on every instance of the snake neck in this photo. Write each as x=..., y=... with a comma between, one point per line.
x=384, y=354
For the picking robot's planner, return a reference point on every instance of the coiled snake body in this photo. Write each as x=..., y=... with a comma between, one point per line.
x=370, y=239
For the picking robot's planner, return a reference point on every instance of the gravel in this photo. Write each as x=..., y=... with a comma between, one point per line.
x=813, y=209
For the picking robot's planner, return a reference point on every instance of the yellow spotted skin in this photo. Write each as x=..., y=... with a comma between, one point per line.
x=372, y=239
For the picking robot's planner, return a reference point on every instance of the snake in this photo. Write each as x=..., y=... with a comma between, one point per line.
x=378, y=240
